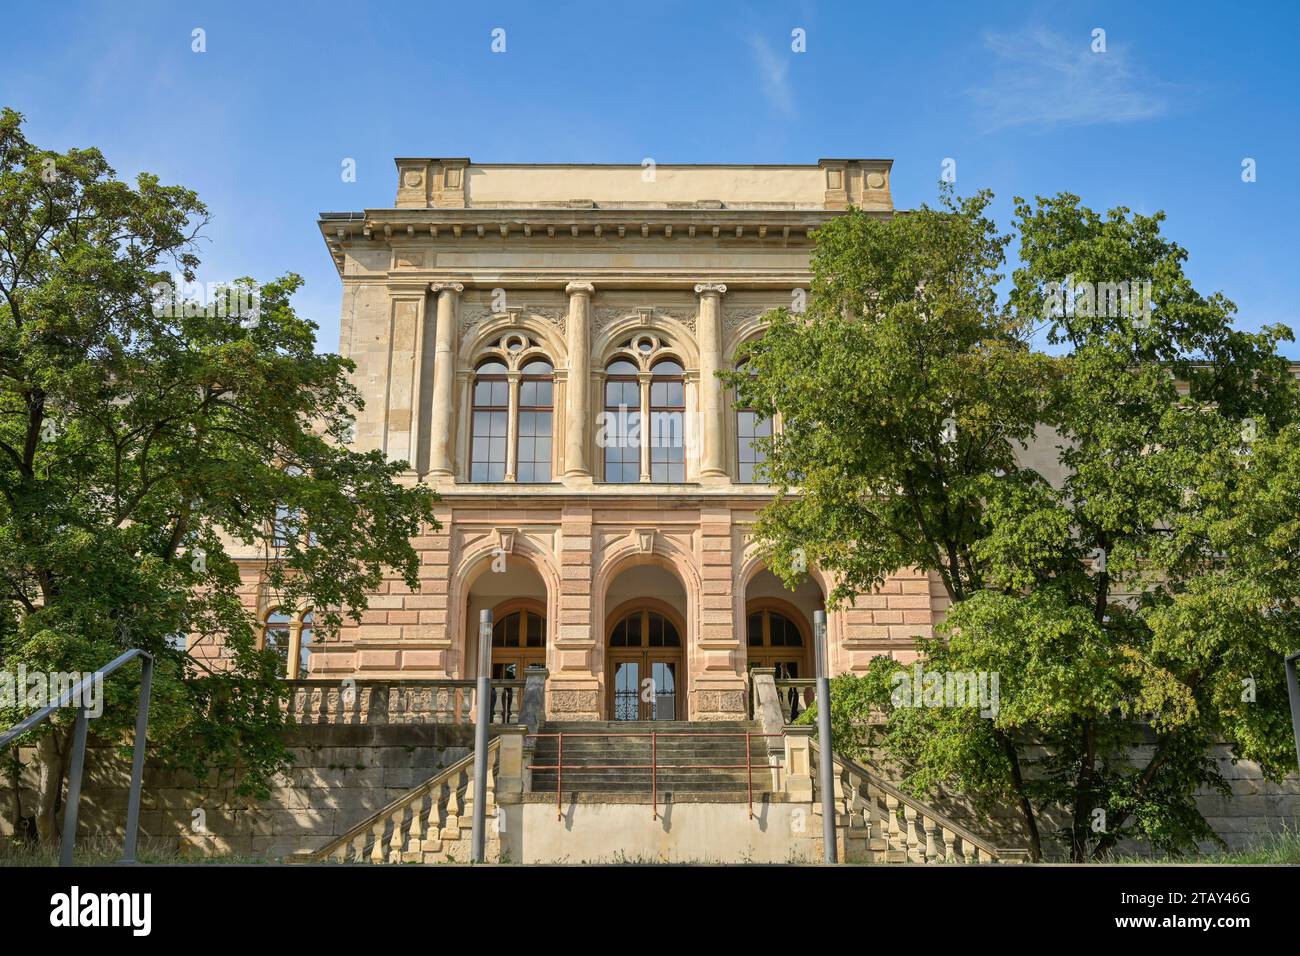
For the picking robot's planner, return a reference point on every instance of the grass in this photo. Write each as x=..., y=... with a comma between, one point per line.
x=1272, y=849
x=94, y=851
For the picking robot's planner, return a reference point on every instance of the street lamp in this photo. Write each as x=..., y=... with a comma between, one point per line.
x=483, y=698
x=826, y=765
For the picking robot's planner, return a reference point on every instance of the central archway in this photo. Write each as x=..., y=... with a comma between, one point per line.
x=644, y=645
x=644, y=661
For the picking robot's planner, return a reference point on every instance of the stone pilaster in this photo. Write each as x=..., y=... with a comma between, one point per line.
x=709, y=339
x=444, y=372
x=717, y=684
x=573, y=690
x=578, y=382
x=405, y=359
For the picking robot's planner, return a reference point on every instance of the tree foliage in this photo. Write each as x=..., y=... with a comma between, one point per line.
x=141, y=447
x=1131, y=581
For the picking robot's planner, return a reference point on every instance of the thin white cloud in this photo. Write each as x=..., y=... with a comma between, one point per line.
x=1043, y=79
x=774, y=71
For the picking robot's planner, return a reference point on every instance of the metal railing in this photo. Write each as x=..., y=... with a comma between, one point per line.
x=653, y=766
x=79, y=732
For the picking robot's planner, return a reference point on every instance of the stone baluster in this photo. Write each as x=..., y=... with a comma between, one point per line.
x=931, y=841
x=451, y=826
x=418, y=818
x=377, y=851
x=946, y=838
x=395, y=842
x=470, y=796
x=897, y=842
x=359, y=847
x=914, y=853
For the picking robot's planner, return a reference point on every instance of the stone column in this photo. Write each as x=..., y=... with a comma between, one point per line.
x=512, y=427
x=444, y=373
x=643, y=382
x=578, y=383
x=709, y=335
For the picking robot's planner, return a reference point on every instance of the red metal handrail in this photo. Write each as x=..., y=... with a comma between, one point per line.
x=654, y=766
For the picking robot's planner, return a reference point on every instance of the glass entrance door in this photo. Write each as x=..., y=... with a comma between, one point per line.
x=627, y=689
x=645, y=660
x=645, y=686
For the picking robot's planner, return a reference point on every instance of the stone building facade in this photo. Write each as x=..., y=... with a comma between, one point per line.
x=513, y=328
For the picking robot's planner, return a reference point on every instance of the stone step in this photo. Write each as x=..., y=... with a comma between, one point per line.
x=624, y=747
x=636, y=785
x=652, y=726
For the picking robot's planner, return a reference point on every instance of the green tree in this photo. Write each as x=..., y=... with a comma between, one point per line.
x=142, y=441
x=1137, y=585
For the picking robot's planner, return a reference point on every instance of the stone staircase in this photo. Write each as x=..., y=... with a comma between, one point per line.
x=704, y=806
x=613, y=757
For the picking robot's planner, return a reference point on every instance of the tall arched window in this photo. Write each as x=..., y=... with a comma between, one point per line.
x=306, y=639
x=288, y=519
x=276, y=636
x=667, y=423
x=620, y=434
x=292, y=640
x=750, y=426
x=535, y=418
x=490, y=426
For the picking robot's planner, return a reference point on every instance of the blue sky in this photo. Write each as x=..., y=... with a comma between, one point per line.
x=261, y=122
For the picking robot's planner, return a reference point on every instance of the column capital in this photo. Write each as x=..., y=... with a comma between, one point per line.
x=711, y=288
x=579, y=287
x=447, y=286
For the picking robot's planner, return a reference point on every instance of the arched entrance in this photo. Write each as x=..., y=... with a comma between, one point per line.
x=644, y=663
x=513, y=590
x=778, y=634
x=777, y=637
x=518, y=637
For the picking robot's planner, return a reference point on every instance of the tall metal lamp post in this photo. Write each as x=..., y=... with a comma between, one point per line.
x=826, y=763
x=483, y=699
x=1293, y=692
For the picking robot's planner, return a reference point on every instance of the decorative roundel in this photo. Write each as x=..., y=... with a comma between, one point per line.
x=514, y=343
x=644, y=344
x=875, y=180
x=413, y=178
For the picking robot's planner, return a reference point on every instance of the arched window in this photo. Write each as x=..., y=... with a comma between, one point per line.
x=750, y=426
x=620, y=433
x=288, y=520
x=773, y=639
x=535, y=418
x=276, y=636
x=518, y=639
x=490, y=425
x=291, y=639
x=306, y=638
x=667, y=423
